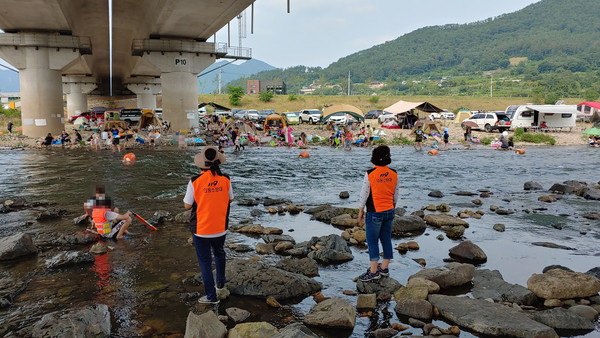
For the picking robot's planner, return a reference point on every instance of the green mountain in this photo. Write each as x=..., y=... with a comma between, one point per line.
x=549, y=37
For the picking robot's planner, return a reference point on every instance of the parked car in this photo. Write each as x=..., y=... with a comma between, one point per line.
x=386, y=116
x=311, y=116
x=446, y=114
x=264, y=113
x=88, y=115
x=131, y=115
x=252, y=115
x=291, y=117
x=240, y=114
x=373, y=114
x=435, y=116
x=490, y=121
x=340, y=118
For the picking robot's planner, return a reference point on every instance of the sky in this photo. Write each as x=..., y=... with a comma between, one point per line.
x=319, y=32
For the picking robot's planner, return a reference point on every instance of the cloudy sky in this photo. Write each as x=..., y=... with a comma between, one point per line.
x=319, y=32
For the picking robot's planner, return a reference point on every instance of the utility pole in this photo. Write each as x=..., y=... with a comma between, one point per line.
x=491, y=85
x=221, y=72
x=348, y=83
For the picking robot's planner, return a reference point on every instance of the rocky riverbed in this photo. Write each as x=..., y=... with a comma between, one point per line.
x=505, y=257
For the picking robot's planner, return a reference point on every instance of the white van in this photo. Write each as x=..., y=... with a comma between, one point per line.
x=534, y=116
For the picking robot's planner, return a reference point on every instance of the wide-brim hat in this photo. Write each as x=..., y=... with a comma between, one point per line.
x=203, y=162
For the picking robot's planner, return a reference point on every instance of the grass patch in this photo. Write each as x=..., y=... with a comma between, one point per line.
x=486, y=141
x=537, y=138
x=403, y=140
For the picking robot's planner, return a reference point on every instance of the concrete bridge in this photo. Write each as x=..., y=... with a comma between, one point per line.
x=62, y=47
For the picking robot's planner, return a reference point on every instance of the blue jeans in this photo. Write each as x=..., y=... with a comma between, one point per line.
x=379, y=229
x=203, y=251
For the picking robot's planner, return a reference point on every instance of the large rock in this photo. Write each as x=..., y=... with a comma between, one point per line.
x=327, y=214
x=561, y=284
x=252, y=330
x=584, y=311
x=344, y=220
x=237, y=315
x=330, y=249
x=78, y=238
x=69, y=258
x=248, y=202
x=532, y=186
x=594, y=272
x=332, y=313
x=384, y=285
x=15, y=246
x=296, y=330
x=414, y=308
x=490, y=284
x=305, y=266
x=408, y=225
x=90, y=321
x=274, y=201
x=469, y=251
x=183, y=217
x=278, y=238
x=569, y=187
x=436, y=194
x=453, y=274
x=204, y=325
x=251, y=278
x=418, y=292
x=562, y=319
x=440, y=220
x=592, y=194
x=489, y=319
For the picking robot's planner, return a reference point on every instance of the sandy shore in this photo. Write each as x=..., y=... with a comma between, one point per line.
x=567, y=138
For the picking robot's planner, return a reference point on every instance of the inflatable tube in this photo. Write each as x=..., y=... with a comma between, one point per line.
x=304, y=154
x=129, y=159
x=520, y=151
x=433, y=152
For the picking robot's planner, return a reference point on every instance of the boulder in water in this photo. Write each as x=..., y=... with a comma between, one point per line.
x=17, y=245
x=332, y=313
x=90, y=321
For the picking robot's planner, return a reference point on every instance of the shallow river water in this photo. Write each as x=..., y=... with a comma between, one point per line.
x=141, y=278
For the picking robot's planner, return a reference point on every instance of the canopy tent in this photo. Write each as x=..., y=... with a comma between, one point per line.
x=554, y=109
x=592, y=132
x=590, y=111
x=214, y=105
x=273, y=122
x=429, y=127
x=405, y=106
x=462, y=115
x=343, y=108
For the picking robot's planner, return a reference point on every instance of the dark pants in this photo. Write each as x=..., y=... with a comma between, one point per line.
x=203, y=251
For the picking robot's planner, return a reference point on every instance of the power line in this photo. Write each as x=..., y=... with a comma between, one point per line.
x=14, y=70
x=212, y=70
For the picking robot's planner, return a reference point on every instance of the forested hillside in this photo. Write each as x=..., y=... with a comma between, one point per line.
x=548, y=41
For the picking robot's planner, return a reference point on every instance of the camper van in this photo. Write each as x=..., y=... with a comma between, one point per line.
x=536, y=116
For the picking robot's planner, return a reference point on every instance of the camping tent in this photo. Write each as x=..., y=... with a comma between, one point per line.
x=462, y=115
x=150, y=119
x=404, y=106
x=214, y=105
x=429, y=127
x=343, y=108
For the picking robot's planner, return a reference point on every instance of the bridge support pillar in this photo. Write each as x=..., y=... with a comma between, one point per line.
x=76, y=89
x=40, y=59
x=146, y=90
x=179, y=82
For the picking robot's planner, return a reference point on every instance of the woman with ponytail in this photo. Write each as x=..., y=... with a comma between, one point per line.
x=379, y=194
x=209, y=195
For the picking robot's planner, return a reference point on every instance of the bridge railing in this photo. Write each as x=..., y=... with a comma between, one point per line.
x=82, y=43
x=233, y=52
x=140, y=46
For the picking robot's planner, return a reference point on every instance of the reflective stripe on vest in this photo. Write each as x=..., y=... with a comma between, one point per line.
x=103, y=226
x=382, y=181
x=211, y=197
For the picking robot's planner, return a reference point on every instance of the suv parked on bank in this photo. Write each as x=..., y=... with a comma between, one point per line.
x=311, y=116
x=490, y=121
x=131, y=115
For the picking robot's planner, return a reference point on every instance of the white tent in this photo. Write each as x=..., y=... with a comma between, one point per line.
x=404, y=106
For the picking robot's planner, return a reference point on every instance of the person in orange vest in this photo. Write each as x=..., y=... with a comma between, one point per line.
x=379, y=194
x=107, y=220
x=209, y=195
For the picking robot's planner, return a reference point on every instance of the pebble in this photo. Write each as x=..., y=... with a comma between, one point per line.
x=349, y=293
x=499, y=227
x=412, y=245
x=440, y=237
x=272, y=302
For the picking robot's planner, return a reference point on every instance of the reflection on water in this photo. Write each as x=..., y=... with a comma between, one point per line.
x=141, y=278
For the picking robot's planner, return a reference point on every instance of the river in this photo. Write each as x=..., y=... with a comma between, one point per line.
x=141, y=277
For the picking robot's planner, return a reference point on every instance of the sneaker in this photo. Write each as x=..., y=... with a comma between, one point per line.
x=383, y=272
x=205, y=300
x=368, y=276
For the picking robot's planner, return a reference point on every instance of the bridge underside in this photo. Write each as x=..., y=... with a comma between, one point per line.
x=150, y=39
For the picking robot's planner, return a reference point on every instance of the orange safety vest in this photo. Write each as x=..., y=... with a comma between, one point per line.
x=103, y=226
x=382, y=181
x=210, y=211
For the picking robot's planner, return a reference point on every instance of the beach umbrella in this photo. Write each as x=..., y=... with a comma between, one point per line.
x=470, y=124
x=592, y=132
